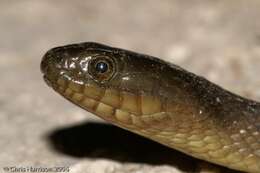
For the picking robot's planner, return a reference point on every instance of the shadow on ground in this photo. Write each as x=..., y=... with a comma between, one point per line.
x=97, y=140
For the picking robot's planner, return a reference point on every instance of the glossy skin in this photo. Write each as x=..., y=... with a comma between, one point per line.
x=158, y=100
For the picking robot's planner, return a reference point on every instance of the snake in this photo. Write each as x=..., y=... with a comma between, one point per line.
x=158, y=100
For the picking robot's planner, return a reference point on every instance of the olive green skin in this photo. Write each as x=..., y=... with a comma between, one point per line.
x=193, y=106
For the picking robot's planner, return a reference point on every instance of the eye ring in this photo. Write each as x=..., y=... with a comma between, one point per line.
x=101, y=68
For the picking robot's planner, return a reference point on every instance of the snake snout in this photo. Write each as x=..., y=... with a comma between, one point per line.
x=51, y=60
x=44, y=63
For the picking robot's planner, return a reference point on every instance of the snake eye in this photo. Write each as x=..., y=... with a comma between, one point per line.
x=101, y=68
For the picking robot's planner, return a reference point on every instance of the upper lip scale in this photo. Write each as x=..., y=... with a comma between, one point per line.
x=47, y=81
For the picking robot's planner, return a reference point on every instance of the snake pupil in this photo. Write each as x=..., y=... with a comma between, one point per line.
x=101, y=67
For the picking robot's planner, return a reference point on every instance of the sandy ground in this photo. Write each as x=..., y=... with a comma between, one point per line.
x=217, y=39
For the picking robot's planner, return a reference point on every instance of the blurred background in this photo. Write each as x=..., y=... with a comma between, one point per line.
x=217, y=39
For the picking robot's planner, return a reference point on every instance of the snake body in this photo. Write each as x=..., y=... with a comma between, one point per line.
x=158, y=100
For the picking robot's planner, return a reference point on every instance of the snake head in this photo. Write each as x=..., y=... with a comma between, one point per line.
x=101, y=78
x=118, y=85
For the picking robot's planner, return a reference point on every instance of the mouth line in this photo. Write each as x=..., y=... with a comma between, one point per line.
x=94, y=103
x=47, y=81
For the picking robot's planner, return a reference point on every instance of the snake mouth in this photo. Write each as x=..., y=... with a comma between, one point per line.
x=117, y=107
x=91, y=98
x=47, y=81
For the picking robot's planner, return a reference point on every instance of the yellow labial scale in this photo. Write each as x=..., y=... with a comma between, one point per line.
x=199, y=150
x=129, y=126
x=152, y=131
x=137, y=121
x=147, y=119
x=93, y=92
x=240, y=165
x=234, y=157
x=104, y=110
x=214, y=146
x=181, y=135
x=219, y=153
x=179, y=146
x=167, y=133
x=142, y=132
x=253, y=163
x=89, y=103
x=150, y=105
x=61, y=82
x=161, y=116
x=244, y=151
x=226, y=141
x=210, y=132
x=77, y=97
x=222, y=160
x=154, y=118
x=211, y=139
x=179, y=140
x=202, y=155
x=255, y=168
x=75, y=86
x=196, y=132
x=147, y=132
x=228, y=149
x=68, y=92
x=111, y=97
x=123, y=117
x=196, y=138
x=129, y=102
x=183, y=130
x=161, y=138
x=197, y=144
x=251, y=160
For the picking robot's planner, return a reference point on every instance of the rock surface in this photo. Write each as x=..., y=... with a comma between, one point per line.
x=217, y=39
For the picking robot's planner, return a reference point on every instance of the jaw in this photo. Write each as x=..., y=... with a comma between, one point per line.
x=122, y=108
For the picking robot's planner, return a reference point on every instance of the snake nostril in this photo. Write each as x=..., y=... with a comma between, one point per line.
x=47, y=60
x=52, y=58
